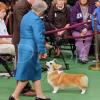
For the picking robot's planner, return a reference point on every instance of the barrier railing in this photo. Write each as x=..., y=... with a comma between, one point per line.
x=61, y=29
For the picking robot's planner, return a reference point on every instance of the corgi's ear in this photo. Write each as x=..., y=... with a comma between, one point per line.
x=54, y=60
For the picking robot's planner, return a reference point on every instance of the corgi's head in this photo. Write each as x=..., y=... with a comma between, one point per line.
x=52, y=65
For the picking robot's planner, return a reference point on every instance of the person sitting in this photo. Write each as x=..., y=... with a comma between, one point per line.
x=58, y=17
x=82, y=12
x=6, y=46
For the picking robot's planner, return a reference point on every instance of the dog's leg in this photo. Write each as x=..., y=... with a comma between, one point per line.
x=83, y=91
x=55, y=89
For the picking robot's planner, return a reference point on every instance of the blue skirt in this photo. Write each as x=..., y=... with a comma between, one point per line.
x=28, y=66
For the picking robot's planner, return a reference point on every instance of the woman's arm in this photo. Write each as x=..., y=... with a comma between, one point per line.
x=38, y=33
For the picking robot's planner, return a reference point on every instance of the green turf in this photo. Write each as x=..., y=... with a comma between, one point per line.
x=93, y=93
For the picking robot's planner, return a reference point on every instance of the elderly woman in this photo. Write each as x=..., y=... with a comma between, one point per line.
x=32, y=44
x=59, y=17
x=20, y=8
x=82, y=12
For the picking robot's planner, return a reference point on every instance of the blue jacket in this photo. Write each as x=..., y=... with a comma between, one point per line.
x=32, y=32
x=97, y=12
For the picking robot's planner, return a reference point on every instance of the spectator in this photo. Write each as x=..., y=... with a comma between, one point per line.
x=59, y=17
x=81, y=12
x=5, y=44
x=97, y=14
x=31, y=45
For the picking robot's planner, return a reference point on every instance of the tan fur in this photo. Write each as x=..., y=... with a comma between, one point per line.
x=59, y=80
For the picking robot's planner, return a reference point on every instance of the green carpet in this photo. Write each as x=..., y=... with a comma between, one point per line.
x=93, y=93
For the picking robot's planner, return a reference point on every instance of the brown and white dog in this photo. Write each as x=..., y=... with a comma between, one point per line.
x=59, y=80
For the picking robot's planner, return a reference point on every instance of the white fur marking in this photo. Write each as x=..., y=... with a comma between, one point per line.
x=59, y=71
x=55, y=90
x=83, y=91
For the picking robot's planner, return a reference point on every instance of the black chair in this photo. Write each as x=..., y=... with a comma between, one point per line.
x=65, y=44
x=3, y=61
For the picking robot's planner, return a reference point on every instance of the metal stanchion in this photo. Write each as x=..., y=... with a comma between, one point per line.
x=95, y=66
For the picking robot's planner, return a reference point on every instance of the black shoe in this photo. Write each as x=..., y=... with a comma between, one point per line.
x=37, y=98
x=11, y=98
x=82, y=61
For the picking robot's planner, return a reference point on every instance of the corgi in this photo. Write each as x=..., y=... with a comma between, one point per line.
x=59, y=80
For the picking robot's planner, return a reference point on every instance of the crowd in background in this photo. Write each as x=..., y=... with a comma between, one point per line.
x=59, y=14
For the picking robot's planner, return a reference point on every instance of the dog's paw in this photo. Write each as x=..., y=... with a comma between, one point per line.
x=54, y=92
x=83, y=91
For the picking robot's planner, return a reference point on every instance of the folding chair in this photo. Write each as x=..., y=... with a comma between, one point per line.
x=64, y=42
x=6, y=50
x=5, y=65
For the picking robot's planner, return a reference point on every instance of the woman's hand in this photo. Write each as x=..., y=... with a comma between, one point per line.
x=61, y=32
x=43, y=56
x=67, y=25
x=84, y=31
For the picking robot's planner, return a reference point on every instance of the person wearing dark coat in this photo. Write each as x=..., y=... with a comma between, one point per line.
x=59, y=17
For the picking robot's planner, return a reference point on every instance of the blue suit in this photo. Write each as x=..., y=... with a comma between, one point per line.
x=97, y=12
x=31, y=44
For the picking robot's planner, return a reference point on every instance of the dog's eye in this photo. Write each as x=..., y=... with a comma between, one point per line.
x=50, y=63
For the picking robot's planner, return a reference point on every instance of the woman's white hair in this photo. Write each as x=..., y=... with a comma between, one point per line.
x=39, y=6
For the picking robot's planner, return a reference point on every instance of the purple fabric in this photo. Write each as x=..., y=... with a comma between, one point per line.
x=76, y=16
x=92, y=1
x=83, y=45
